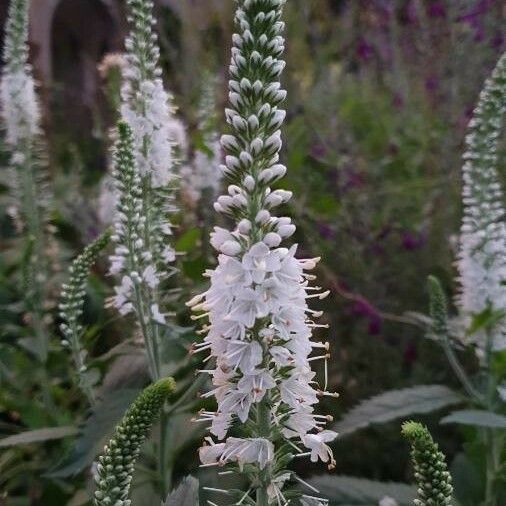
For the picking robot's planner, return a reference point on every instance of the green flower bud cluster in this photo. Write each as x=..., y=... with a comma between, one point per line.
x=438, y=308
x=72, y=304
x=115, y=467
x=431, y=472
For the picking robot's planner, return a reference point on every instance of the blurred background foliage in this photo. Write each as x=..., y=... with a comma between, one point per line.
x=380, y=93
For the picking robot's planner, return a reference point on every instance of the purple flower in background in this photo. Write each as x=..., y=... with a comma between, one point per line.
x=473, y=18
x=398, y=100
x=410, y=353
x=413, y=240
x=497, y=41
x=353, y=179
x=362, y=307
x=374, y=326
x=436, y=9
x=364, y=50
x=325, y=230
x=410, y=13
x=431, y=83
x=318, y=150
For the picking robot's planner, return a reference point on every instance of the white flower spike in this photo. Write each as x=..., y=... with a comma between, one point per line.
x=482, y=259
x=260, y=326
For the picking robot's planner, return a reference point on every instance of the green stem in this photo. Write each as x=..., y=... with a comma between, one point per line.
x=460, y=373
x=163, y=457
x=489, y=434
x=264, y=429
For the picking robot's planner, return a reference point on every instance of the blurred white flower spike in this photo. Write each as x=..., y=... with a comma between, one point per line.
x=145, y=177
x=26, y=176
x=259, y=330
x=482, y=256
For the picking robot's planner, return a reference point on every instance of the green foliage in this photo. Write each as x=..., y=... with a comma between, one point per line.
x=476, y=418
x=187, y=494
x=116, y=465
x=38, y=435
x=431, y=473
x=350, y=491
x=396, y=404
x=94, y=432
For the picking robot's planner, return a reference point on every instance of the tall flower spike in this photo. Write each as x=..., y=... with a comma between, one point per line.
x=71, y=309
x=482, y=258
x=146, y=106
x=260, y=325
x=431, y=473
x=116, y=465
x=21, y=118
x=131, y=259
x=143, y=260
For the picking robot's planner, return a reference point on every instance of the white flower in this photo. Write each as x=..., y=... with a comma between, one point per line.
x=20, y=109
x=220, y=425
x=299, y=423
x=242, y=451
x=150, y=277
x=244, y=355
x=260, y=260
x=156, y=315
x=296, y=391
x=274, y=490
x=249, y=451
x=256, y=384
x=317, y=444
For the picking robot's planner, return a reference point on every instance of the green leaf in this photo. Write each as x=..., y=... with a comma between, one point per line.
x=487, y=319
x=188, y=240
x=38, y=436
x=350, y=491
x=95, y=432
x=476, y=417
x=467, y=482
x=396, y=404
x=187, y=494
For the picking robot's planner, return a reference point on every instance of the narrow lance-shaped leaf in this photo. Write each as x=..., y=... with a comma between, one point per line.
x=396, y=404
x=349, y=490
x=477, y=418
x=187, y=494
x=38, y=436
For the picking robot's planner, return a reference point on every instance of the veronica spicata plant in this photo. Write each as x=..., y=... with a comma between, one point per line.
x=431, y=472
x=260, y=326
x=71, y=309
x=27, y=178
x=144, y=170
